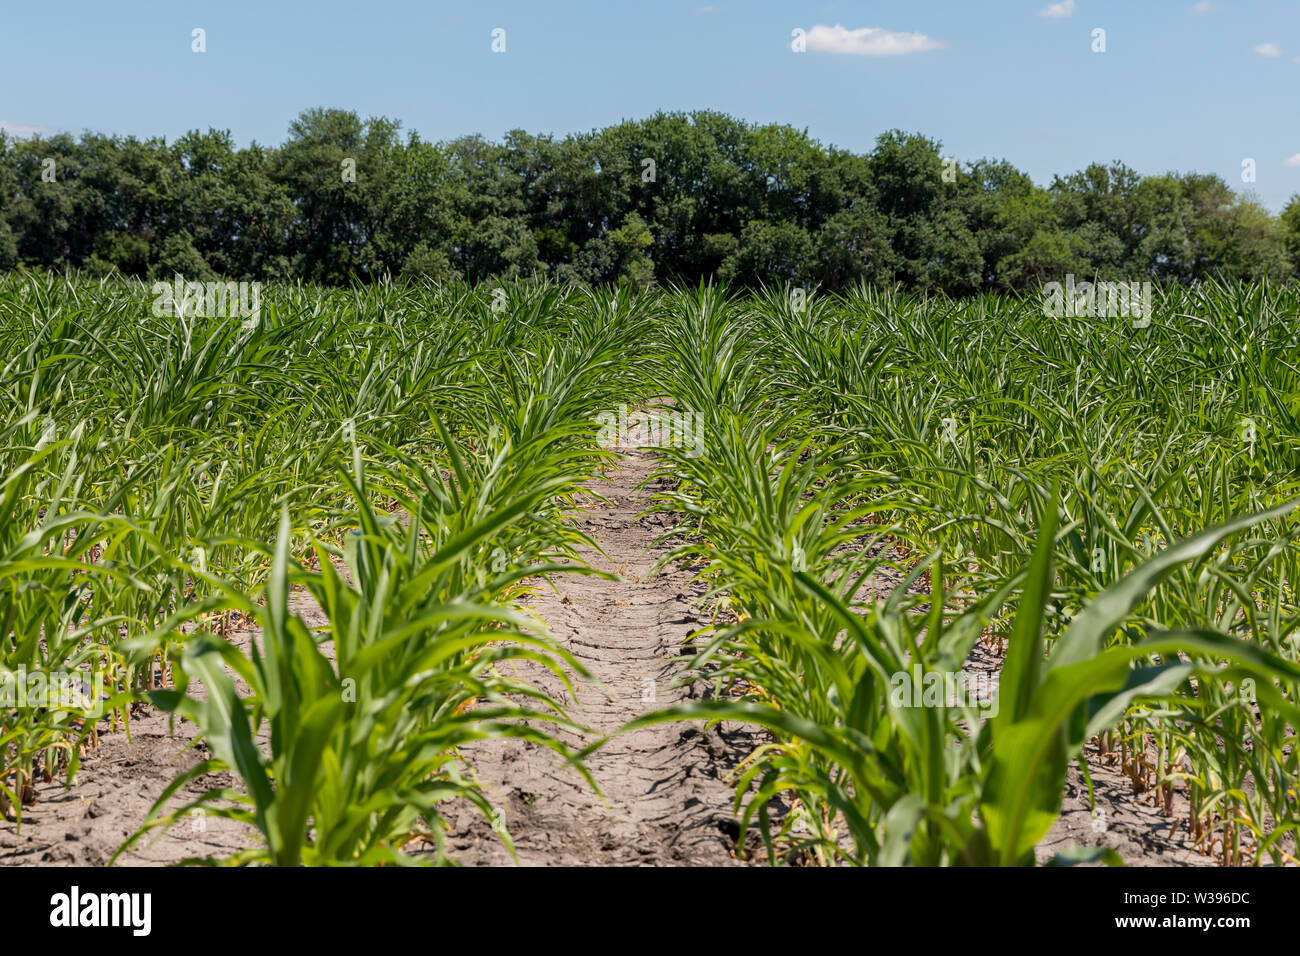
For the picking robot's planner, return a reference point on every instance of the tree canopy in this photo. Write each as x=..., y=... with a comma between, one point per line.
x=673, y=197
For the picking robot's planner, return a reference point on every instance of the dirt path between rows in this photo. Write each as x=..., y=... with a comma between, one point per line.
x=666, y=799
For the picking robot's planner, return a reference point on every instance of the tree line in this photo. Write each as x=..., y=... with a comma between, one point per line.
x=674, y=197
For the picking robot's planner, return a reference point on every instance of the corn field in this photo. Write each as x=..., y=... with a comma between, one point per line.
x=887, y=484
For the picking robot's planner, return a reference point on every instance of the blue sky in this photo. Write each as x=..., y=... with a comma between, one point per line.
x=1182, y=84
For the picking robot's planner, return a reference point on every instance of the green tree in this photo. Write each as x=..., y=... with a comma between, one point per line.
x=933, y=245
x=769, y=253
x=1289, y=233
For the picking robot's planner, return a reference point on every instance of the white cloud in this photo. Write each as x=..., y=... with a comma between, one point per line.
x=26, y=129
x=1293, y=161
x=1203, y=7
x=1058, y=11
x=867, y=41
x=1268, y=49
x=710, y=8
